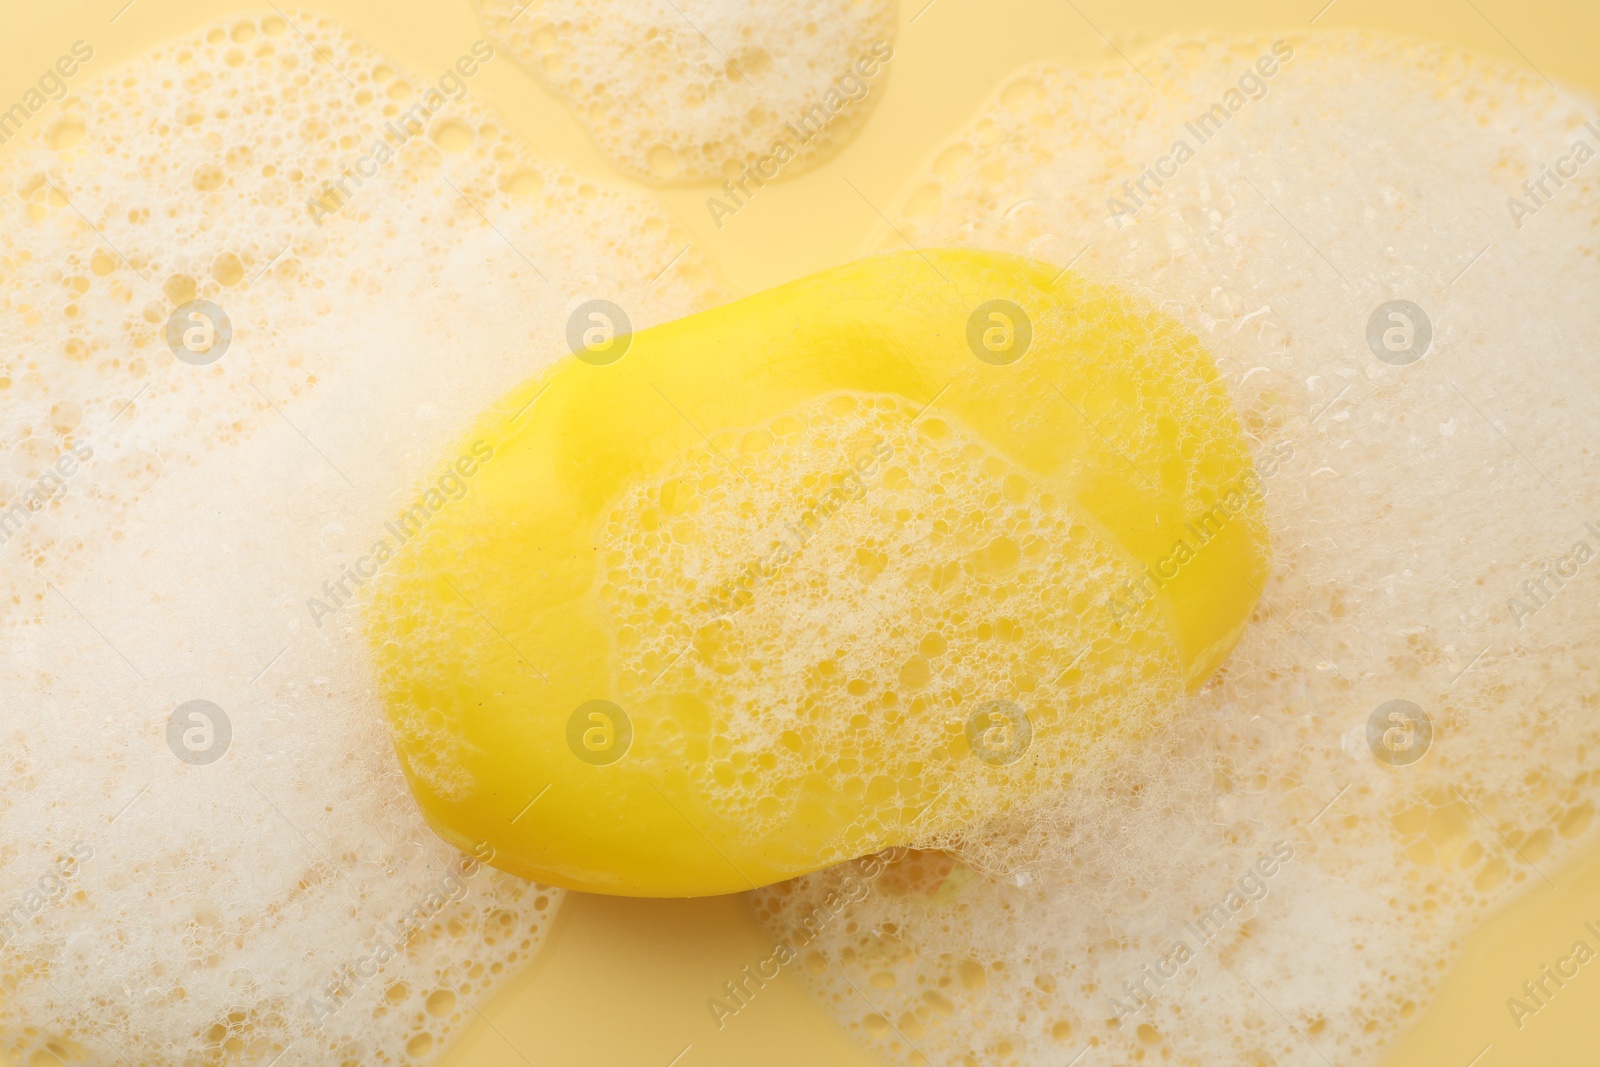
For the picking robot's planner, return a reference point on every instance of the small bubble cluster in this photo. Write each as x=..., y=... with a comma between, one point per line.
x=695, y=90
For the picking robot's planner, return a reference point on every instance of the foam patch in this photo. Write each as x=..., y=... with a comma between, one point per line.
x=208, y=850
x=699, y=90
x=1390, y=248
x=946, y=576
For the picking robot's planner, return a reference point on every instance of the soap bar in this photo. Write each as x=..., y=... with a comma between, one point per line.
x=870, y=559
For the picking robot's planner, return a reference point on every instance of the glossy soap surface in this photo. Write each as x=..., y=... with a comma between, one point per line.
x=1020, y=501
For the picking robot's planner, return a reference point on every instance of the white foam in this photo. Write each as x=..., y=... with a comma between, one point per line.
x=1418, y=501
x=695, y=90
x=166, y=911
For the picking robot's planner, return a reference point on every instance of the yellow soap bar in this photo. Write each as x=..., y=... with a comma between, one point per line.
x=860, y=561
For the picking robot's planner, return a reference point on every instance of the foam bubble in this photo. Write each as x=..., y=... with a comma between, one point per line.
x=1314, y=877
x=697, y=89
x=866, y=597
x=209, y=850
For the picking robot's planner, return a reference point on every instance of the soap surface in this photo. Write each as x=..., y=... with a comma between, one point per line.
x=865, y=560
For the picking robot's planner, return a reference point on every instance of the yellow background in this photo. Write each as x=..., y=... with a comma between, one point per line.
x=625, y=982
